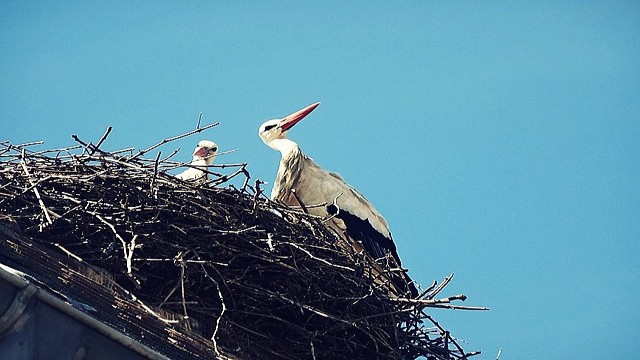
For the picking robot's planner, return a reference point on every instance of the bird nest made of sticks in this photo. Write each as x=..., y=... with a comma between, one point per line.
x=258, y=279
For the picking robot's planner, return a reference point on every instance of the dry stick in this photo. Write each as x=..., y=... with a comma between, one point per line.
x=102, y=139
x=69, y=253
x=239, y=231
x=224, y=166
x=32, y=186
x=184, y=305
x=164, y=301
x=447, y=336
x=35, y=189
x=226, y=178
x=164, y=141
x=177, y=164
x=431, y=287
x=459, y=307
x=295, y=194
x=173, y=153
x=245, y=183
x=129, y=257
x=439, y=288
x=225, y=153
x=257, y=194
x=426, y=302
x=199, y=119
x=23, y=145
x=155, y=173
x=58, y=150
x=87, y=146
x=443, y=331
x=319, y=259
x=124, y=243
x=150, y=311
x=129, y=149
x=335, y=204
x=313, y=350
x=222, y=311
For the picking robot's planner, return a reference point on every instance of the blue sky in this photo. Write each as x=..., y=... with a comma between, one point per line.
x=499, y=139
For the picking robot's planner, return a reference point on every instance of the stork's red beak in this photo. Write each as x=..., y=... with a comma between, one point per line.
x=202, y=152
x=288, y=122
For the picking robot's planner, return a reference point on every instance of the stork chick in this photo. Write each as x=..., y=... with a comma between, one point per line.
x=203, y=156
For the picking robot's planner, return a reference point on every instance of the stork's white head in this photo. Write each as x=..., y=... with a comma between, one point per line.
x=205, y=150
x=277, y=128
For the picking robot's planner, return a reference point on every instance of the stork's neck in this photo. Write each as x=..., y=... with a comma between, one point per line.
x=287, y=148
x=199, y=162
x=289, y=170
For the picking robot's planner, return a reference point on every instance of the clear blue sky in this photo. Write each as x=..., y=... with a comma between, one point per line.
x=499, y=139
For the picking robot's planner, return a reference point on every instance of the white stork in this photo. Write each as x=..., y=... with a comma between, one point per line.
x=203, y=156
x=299, y=176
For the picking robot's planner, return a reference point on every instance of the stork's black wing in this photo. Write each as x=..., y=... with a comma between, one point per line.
x=375, y=243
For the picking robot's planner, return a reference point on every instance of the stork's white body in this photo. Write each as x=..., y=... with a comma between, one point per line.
x=197, y=171
x=324, y=193
x=318, y=189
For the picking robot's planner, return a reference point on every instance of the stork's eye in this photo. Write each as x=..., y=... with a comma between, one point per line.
x=269, y=127
x=214, y=149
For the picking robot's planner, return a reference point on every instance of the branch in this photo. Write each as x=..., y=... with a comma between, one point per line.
x=35, y=190
x=102, y=139
x=198, y=130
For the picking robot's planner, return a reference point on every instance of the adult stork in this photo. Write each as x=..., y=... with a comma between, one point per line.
x=301, y=182
x=203, y=156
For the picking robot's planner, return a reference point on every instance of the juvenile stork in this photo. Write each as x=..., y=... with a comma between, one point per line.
x=203, y=156
x=301, y=182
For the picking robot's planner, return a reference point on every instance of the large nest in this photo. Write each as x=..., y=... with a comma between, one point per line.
x=224, y=262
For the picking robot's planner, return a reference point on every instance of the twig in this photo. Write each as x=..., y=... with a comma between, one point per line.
x=35, y=190
x=57, y=150
x=173, y=153
x=313, y=350
x=225, y=178
x=27, y=144
x=443, y=331
x=449, y=299
x=319, y=259
x=184, y=305
x=87, y=147
x=247, y=177
x=199, y=119
x=256, y=196
x=102, y=139
x=335, y=204
x=124, y=243
x=295, y=194
x=439, y=288
x=222, y=311
x=68, y=252
x=425, y=291
x=155, y=174
x=164, y=141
